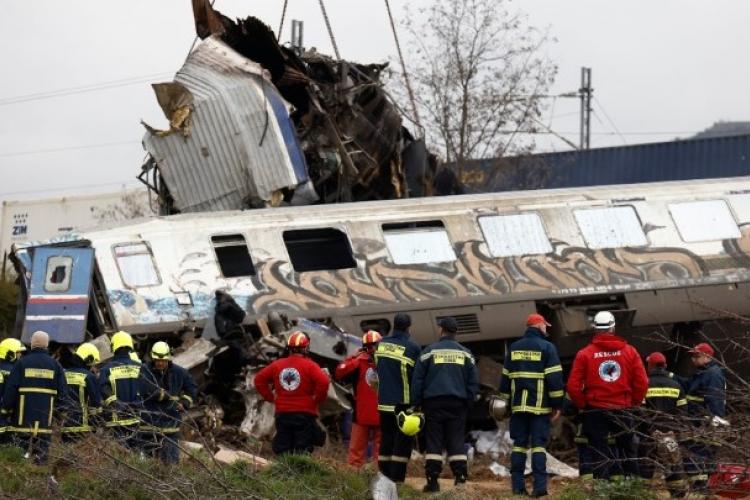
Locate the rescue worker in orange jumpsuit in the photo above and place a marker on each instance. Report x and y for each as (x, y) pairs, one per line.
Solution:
(359, 370)
(296, 385)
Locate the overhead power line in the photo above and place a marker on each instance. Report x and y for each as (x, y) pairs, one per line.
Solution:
(70, 188)
(67, 148)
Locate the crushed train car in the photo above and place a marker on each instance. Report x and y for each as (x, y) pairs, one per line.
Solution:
(254, 124)
(666, 254)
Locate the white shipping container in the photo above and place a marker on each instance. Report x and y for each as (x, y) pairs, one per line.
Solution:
(35, 220)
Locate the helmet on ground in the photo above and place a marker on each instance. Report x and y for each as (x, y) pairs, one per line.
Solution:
(121, 339)
(498, 408)
(371, 337)
(410, 423)
(604, 320)
(298, 339)
(9, 349)
(134, 357)
(88, 353)
(161, 350)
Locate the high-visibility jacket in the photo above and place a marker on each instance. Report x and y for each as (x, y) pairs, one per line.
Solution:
(445, 369)
(360, 371)
(120, 390)
(295, 384)
(34, 388)
(706, 392)
(532, 375)
(664, 399)
(607, 374)
(84, 399)
(162, 392)
(395, 359)
(5, 368)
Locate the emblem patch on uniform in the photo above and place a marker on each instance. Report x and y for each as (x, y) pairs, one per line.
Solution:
(609, 370)
(289, 379)
(371, 377)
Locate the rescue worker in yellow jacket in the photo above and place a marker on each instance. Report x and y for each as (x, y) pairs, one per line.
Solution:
(34, 389)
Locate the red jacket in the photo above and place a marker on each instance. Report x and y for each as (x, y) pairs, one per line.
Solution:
(295, 384)
(359, 369)
(607, 373)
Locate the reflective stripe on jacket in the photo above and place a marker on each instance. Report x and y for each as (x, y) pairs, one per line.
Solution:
(84, 399)
(162, 391)
(706, 392)
(445, 368)
(532, 375)
(120, 391)
(395, 359)
(33, 389)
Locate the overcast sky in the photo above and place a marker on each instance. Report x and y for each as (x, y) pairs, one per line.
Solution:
(661, 69)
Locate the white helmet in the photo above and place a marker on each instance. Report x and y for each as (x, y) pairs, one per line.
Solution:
(604, 320)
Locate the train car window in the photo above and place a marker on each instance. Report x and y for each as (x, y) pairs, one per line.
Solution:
(323, 249)
(709, 220)
(423, 242)
(136, 265)
(233, 255)
(521, 234)
(57, 277)
(611, 227)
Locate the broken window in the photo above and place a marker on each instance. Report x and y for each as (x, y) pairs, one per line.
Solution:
(322, 249)
(380, 325)
(708, 220)
(423, 242)
(611, 227)
(233, 255)
(521, 234)
(57, 277)
(136, 265)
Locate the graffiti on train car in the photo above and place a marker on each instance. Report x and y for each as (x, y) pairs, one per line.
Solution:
(569, 270)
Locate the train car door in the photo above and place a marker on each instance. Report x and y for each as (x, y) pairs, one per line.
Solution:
(58, 295)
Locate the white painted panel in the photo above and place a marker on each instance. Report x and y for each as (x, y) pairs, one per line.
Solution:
(521, 234)
(740, 204)
(708, 220)
(136, 265)
(611, 227)
(419, 246)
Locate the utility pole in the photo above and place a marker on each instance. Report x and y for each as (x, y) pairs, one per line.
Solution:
(585, 94)
(297, 32)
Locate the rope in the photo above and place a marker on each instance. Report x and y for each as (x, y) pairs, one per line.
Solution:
(403, 69)
(281, 24)
(330, 31)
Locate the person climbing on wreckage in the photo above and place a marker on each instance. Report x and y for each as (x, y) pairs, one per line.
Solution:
(296, 385)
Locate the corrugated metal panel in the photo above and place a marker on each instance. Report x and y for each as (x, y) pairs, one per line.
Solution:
(676, 160)
(242, 144)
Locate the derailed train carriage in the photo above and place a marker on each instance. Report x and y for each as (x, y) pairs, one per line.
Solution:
(664, 256)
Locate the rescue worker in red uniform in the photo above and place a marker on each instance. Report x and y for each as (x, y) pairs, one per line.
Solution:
(359, 370)
(296, 385)
(607, 381)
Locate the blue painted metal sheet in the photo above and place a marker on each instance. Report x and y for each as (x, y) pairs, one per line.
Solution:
(58, 298)
(665, 161)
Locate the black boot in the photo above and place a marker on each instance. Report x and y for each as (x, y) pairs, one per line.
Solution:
(432, 486)
(460, 479)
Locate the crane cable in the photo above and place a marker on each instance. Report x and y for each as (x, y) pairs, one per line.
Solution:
(281, 24)
(403, 70)
(330, 31)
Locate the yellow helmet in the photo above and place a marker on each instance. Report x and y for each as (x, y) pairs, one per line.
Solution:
(410, 423)
(9, 349)
(121, 339)
(134, 357)
(161, 350)
(88, 353)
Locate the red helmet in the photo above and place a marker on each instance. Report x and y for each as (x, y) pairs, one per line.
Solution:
(371, 337)
(730, 481)
(298, 339)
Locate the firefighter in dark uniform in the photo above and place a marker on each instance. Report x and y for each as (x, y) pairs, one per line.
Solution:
(585, 470)
(533, 384)
(10, 352)
(395, 359)
(168, 391)
(444, 384)
(120, 391)
(84, 399)
(34, 389)
(664, 402)
(706, 407)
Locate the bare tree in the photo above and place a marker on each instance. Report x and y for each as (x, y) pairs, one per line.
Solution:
(131, 205)
(479, 73)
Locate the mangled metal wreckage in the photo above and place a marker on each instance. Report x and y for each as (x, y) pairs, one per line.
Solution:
(255, 124)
